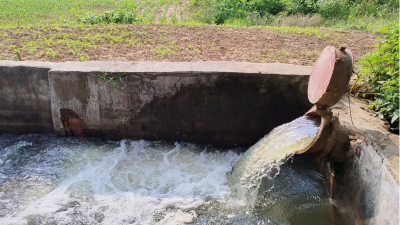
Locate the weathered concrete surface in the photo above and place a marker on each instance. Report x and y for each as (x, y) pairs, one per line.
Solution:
(368, 193)
(25, 98)
(226, 104)
(366, 187)
(222, 103)
(363, 120)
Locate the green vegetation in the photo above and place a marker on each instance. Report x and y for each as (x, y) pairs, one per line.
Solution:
(15, 13)
(368, 15)
(81, 29)
(381, 69)
(44, 12)
(109, 17)
(166, 50)
(112, 78)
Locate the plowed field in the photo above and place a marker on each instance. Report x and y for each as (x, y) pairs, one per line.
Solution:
(179, 43)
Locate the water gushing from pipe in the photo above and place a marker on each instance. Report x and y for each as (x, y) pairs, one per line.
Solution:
(263, 160)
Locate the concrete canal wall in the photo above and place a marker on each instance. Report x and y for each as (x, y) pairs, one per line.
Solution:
(365, 187)
(226, 104)
(222, 103)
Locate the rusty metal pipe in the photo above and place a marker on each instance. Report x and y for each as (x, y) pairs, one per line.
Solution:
(328, 82)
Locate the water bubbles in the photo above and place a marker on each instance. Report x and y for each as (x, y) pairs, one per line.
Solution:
(128, 182)
(48, 180)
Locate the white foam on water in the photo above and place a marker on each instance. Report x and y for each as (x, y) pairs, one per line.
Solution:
(47, 180)
(131, 182)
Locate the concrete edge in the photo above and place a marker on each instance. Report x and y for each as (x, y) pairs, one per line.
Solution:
(38, 64)
(386, 149)
(168, 67)
(366, 129)
(382, 143)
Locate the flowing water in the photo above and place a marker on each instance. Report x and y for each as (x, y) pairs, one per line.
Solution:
(48, 180)
(264, 159)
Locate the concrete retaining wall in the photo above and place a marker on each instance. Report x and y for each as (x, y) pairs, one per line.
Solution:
(366, 185)
(222, 103)
(368, 191)
(25, 98)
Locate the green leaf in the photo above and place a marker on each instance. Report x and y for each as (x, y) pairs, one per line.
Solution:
(396, 115)
(394, 118)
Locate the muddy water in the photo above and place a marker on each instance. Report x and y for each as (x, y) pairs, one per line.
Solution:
(48, 180)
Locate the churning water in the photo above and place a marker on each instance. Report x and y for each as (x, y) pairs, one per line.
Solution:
(48, 180)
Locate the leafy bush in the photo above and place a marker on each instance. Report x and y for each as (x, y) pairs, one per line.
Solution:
(334, 9)
(265, 7)
(381, 70)
(203, 11)
(367, 15)
(110, 17)
(302, 6)
(230, 9)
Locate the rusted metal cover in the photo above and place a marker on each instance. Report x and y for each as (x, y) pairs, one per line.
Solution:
(77, 126)
(329, 81)
(330, 76)
(73, 126)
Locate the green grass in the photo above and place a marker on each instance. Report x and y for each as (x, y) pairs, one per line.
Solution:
(15, 13)
(112, 78)
(43, 12)
(157, 7)
(370, 16)
(174, 16)
(163, 19)
(166, 50)
(147, 6)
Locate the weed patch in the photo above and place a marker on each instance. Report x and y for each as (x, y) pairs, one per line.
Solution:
(112, 78)
(110, 17)
(15, 13)
(369, 15)
(166, 50)
(300, 30)
(380, 68)
(151, 42)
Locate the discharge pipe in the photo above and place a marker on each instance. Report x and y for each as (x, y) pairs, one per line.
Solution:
(329, 81)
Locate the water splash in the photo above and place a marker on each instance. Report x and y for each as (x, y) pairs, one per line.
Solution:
(64, 181)
(48, 180)
(264, 159)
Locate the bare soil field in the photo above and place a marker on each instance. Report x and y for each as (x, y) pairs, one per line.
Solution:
(177, 43)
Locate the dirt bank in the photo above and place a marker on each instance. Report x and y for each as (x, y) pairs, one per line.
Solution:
(176, 43)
